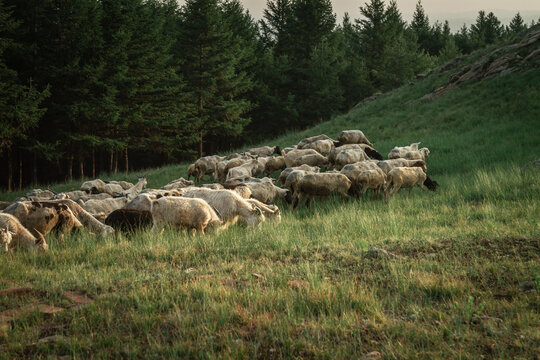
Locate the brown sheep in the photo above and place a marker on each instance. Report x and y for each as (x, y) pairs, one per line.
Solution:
(322, 184)
(21, 237)
(353, 137)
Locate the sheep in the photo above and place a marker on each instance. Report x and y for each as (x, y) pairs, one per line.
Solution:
(230, 205)
(260, 166)
(21, 237)
(387, 165)
(195, 214)
(322, 184)
(270, 211)
(133, 191)
(177, 184)
(105, 207)
(244, 191)
(6, 236)
(399, 152)
(311, 160)
(192, 171)
(142, 202)
(274, 164)
(237, 180)
(129, 220)
(354, 172)
(243, 170)
(291, 156)
(4, 204)
(288, 149)
(404, 177)
(113, 189)
(86, 219)
(124, 184)
(283, 175)
(267, 192)
(293, 178)
(72, 195)
(350, 156)
(85, 198)
(332, 155)
(372, 179)
(37, 219)
(353, 137)
(421, 154)
(265, 151)
(206, 166)
(224, 166)
(312, 139)
(321, 146)
(93, 186)
(41, 194)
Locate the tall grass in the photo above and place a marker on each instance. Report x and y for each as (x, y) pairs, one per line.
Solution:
(308, 287)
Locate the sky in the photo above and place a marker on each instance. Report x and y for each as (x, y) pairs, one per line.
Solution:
(457, 12)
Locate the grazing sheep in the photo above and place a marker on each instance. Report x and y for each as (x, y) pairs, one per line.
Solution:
(124, 184)
(41, 194)
(321, 146)
(270, 211)
(37, 219)
(133, 191)
(113, 189)
(129, 220)
(293, 178)
(310, 160)
(350, 156)
(212, 186)
(206, 166)
(322, 184)
(291, 156)
(387, 165)
(237, 181)
(404, 177)
(285, 173)
(243, 191)
(93, 186)
(353, 137)
(21, 237)
(230, 205)
(177, 184)
(274, 164)
(4, 204)
(192, 171)
(421, 154)
(265, 151)
(72, 195)
(372, 179)
(224, 166)
(86, 219)
(85, 198)
(105, 207)
(312, 139)
(142, 202)
(260, 166)
(6, 236)
(400, 151)
(188, 213)
(288, 149)
(354, 172)
(243, 170)
(267, 192)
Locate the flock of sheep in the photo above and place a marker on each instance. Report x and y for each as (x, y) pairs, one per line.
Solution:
(238, 195)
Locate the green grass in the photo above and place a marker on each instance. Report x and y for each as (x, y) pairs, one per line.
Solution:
(317, 294)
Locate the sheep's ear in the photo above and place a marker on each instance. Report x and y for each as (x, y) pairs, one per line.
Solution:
(258, 210)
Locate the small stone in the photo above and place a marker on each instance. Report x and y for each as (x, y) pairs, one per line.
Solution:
(50, 339)
(190, 270)
(527, 285)
(258, 276)
(78, 297)
(380, 253)
(374, 355)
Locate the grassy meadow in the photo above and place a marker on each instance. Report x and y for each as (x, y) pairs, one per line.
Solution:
(464, 283)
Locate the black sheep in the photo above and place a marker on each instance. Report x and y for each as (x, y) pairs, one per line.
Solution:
(129, 220)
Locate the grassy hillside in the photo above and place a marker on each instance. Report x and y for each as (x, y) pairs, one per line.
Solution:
(308, 287)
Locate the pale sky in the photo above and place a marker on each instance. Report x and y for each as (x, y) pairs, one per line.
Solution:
(456, 12)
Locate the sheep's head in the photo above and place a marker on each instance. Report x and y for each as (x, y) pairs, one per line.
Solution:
(41, 243)
(425, 152)
(414, 146)
(277, 150)
(6, 237)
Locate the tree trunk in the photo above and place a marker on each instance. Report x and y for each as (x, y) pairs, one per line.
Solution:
(116, 163)
(10, 169)
(127, 161)
(20, 171)
(93, 163)
(81, 167)
(200, 144)
(70, 167)
(35, 169)
(111, 159)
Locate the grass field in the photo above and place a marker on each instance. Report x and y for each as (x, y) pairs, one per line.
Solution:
(464, 283)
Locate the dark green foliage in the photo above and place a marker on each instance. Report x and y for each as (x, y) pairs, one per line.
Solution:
(517, 25)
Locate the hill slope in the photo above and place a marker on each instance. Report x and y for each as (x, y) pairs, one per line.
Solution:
(464, 285)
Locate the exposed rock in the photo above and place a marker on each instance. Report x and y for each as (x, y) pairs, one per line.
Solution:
(380, 253)
(527, 285)
(499, 62)
(374, 355)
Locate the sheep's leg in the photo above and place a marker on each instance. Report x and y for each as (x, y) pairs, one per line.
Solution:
(309, 200)
(298, 198)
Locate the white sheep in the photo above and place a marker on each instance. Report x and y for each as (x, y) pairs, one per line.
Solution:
(21, 237)
(400, 151)
(6, 236)
(285, 173)
(310, 160)
(267, 192)
(353, 137)
(188, 213)
(322, 184)
(230, 205)
(312, 139)
(404, 177)
(292, 155)
(321, 146)
(349, 156)
(387, 165)
(265, 151)
(105, 206)
(421, 154)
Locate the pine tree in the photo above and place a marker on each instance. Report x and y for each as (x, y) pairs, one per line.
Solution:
(275, 23)
(420, 26)
(517, 25)
(211, 71)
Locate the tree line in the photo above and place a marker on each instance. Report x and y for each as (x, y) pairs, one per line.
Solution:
(88, 86)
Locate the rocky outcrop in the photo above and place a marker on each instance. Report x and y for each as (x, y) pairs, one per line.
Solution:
(502, 61)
